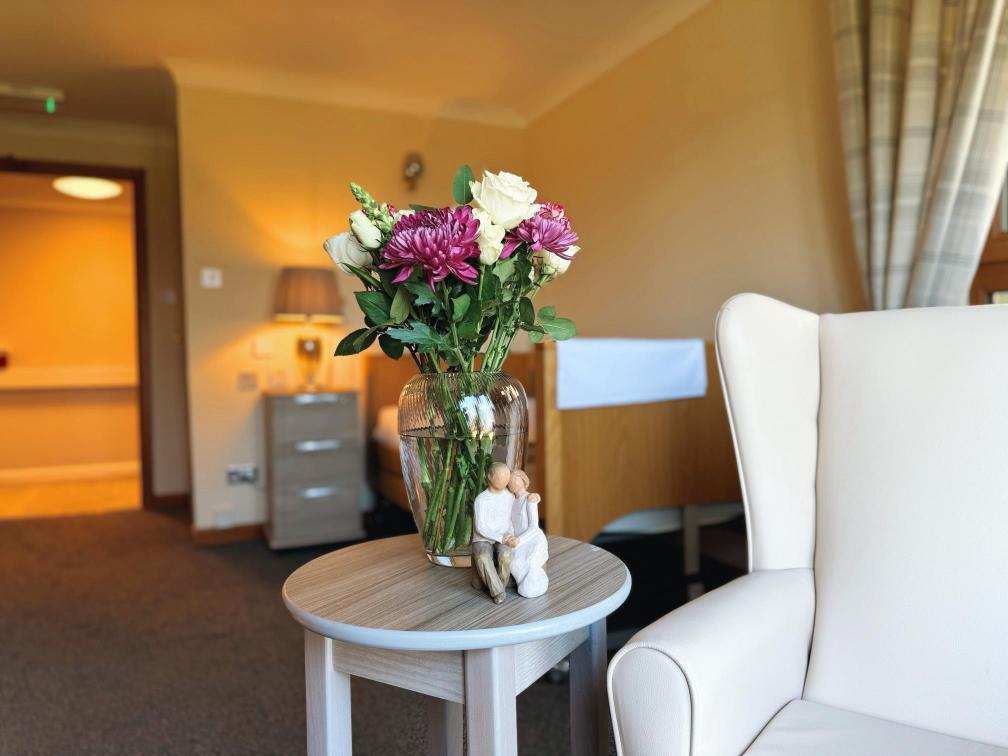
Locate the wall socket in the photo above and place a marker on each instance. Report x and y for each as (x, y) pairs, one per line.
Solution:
(243, 473)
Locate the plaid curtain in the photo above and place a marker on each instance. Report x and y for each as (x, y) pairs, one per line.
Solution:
(923, 88)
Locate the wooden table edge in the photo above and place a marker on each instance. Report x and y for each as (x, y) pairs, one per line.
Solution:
(460, 640)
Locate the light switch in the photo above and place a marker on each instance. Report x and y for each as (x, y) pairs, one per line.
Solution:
(262, 347)
(248, 382)
(211, 278)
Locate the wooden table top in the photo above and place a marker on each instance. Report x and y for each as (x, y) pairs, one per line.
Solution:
(385, 593)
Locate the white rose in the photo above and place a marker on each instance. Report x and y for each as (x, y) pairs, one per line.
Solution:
(507, 198)
(554, 265)
(367, 233)
(344, 249)
(491, 238)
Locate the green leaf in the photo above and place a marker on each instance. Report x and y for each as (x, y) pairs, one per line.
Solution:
(522, 269)
(356, 341)
(348, 344)
(469, 328)
(363, 342)
(460, 185)
(536, 336)
(489, 291)
(422, 207)
(503, 269)
(547, 313)
(366, 278)
(386, 277)
(423, 293)
(460, 306)
(420, 334)
(400, 306)
(374, 304)
(526, 312)
(558, 329)
(390, 346)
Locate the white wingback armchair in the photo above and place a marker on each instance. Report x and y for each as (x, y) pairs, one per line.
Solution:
(873, 453)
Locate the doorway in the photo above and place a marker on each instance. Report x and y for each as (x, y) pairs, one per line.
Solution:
(72, 398)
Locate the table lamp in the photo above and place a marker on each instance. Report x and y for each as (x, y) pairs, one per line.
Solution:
(311, 296)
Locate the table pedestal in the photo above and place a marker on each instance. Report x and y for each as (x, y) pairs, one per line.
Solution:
(486, 681)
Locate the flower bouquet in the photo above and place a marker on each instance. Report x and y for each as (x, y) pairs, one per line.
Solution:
(452, 286)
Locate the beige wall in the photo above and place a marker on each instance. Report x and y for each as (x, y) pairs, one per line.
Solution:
(264, 181)
(706, 164)
(67, 140)
(67, 301)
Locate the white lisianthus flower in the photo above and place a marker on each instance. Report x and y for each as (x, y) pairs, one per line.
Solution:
(507, 198)
(344, 249)
(553, 265)
(367, 233)
(491, 238)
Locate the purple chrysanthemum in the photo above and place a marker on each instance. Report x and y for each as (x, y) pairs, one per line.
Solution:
(437, 241)
(548, 230)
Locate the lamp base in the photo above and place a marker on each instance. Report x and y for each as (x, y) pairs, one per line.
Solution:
(309, 352)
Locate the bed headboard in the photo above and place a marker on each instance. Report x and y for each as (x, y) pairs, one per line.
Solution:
(601, 463)
(384, 379)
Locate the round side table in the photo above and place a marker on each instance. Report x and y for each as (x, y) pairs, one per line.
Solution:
(380, 610)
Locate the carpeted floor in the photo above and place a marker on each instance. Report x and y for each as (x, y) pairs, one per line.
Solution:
(117, 636)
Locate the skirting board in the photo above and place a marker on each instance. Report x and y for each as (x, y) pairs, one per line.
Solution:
(55, 473)
(215, 536)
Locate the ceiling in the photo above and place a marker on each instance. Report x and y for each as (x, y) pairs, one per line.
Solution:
(490, 60)
(35, 191)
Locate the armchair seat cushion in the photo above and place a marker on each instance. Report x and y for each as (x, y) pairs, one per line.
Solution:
(805, 728)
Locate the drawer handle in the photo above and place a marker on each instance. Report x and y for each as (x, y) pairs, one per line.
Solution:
(318, 398)
(319, 492)
(326, 444)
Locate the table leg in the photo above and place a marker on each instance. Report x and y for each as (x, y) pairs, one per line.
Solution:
(691, 551)
(589, 705)
(491, 722)
(444, 727)
(327, 700)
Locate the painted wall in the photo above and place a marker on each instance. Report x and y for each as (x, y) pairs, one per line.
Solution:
(264, 181)
(67, 302)
(68, 140)
(706, 164)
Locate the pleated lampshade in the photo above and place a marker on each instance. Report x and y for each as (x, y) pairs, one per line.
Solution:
(307, 294)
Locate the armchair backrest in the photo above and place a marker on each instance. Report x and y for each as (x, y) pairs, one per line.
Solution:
(874, 447)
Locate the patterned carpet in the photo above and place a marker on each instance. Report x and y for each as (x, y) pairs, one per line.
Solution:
(117, 636)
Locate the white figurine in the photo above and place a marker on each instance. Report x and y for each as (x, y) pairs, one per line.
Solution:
(528, 543)
(492, 512)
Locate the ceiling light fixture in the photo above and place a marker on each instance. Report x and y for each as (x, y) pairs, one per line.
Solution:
(87, 187)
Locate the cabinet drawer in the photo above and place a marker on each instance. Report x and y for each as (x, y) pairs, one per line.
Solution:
(316, 515)
(294, 468)
(312, 416)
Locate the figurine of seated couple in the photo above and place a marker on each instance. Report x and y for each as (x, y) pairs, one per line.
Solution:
(506, 526)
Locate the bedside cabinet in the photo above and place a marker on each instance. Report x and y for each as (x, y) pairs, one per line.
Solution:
(314, 468)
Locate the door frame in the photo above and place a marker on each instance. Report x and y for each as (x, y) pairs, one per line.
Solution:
(137, 176)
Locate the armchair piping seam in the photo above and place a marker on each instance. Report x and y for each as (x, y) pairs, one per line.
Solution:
(612, 700)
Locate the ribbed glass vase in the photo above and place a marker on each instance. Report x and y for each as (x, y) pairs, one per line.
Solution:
(452, 426)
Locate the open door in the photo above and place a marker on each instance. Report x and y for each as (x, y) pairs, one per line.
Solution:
(73, 401)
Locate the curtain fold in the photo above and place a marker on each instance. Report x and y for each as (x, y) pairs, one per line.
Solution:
(923, 94)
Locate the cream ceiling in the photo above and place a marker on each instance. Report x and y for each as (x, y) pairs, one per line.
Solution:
(501, 61)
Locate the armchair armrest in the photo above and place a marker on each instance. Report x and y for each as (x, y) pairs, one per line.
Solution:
(705, 679)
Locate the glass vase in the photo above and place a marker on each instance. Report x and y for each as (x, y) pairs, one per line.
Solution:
(452, 426)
